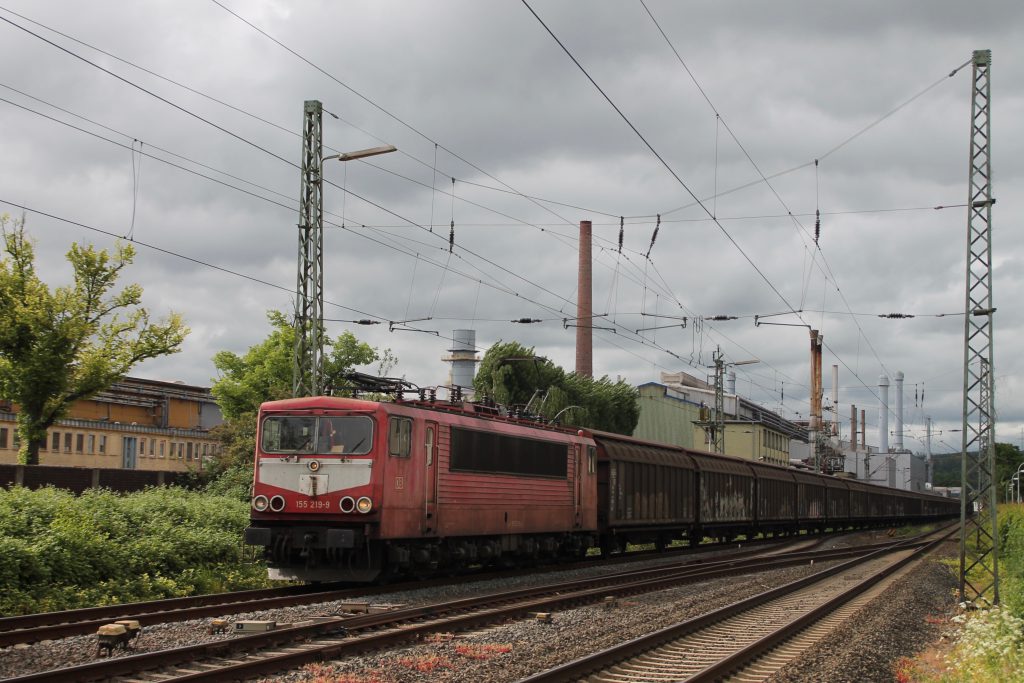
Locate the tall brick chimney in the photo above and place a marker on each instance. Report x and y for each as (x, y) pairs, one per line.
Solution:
(584, 306)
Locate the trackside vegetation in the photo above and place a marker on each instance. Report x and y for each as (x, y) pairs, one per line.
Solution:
(61, 551)
(990, 643)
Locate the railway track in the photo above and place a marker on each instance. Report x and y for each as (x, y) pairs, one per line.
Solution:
(285, 648)
(751, 639)
(52, 625)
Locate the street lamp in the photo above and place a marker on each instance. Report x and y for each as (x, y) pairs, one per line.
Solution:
(360, 154)
(1016, 478)
(307, 363)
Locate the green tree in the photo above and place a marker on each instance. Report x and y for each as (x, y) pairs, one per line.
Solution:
(264, 373)
(61, 346)
(514, 375)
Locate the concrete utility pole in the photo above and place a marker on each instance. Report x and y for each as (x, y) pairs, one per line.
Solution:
(979, 545)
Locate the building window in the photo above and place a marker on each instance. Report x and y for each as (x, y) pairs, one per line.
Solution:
(56, 442)
(79, 443)
(188, 456)
(152, 447)
(142, 447)
(16, 439)
(103, 443)
(67, 442)
(3, 437)
(92, 444)
(162, 448)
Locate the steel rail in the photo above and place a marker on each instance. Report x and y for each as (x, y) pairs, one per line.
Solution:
(406, 623)
(585, 666)
(52, 625)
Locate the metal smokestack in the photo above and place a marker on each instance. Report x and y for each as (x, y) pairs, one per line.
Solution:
(584, 306)
(928, 447)
(863, 430)
(462, 357)
(899, 411)
(730, 383)
(853, 428)
(835, 400)
(883, 414)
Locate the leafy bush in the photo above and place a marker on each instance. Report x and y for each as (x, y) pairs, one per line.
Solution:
(59, 551)
(990, 645)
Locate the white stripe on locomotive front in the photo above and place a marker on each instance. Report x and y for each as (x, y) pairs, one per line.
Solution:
(331, 477)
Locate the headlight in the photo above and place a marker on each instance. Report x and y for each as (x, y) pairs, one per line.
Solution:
(260, 503)
(347, 504)
(364, 505)
(313, 465)
(277, 503)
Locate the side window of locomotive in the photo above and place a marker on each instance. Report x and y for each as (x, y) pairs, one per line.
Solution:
(289, 434)
(591, 459)
(351, 435)
(399, 436)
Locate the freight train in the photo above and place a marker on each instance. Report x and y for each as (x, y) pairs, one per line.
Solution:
(360, 490)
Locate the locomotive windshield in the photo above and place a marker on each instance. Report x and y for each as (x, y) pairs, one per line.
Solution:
(350, 435)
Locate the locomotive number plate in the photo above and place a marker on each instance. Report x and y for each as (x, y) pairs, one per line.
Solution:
(317, 504)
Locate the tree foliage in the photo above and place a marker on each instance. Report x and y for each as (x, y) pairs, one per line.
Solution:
(264, 373)
(947, 468)
(64, 345)
(514, 375)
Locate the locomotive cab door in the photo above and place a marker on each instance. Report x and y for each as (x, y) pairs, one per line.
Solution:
(430, 478)
(577, 489)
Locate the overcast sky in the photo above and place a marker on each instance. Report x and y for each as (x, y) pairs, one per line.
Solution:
(482, 93)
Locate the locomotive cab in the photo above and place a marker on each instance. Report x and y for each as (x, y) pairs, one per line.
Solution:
(315, 464)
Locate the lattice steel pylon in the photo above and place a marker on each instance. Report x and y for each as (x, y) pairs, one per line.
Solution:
(979, 531)
(718, 419)
(309, 287)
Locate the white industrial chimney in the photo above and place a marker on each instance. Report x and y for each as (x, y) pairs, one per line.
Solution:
(883, 414)
(899, 411)
(730, 383)
(463, 359)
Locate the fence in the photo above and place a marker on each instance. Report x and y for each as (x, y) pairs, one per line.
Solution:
(78, 479)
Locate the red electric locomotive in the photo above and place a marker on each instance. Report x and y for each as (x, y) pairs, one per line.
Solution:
(348, 489)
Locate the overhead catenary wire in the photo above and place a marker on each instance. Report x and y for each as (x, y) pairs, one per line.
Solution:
(829, 275)
(286, 206)
(450, 240)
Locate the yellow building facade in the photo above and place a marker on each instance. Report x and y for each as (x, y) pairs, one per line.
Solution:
(136, 424)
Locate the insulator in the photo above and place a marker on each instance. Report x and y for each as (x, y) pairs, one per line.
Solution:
(526, 321)
(423, 394)
(817, 225)
(367, 321)
(654, 236)
(896, 316)
(433, 394)
(622, 228)
(721, 317)
(451, 238)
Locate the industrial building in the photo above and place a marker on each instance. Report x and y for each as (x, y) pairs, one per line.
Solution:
(675, 411)
(136, 424)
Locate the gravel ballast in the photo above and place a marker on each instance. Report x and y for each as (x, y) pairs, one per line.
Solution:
(513, 650)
